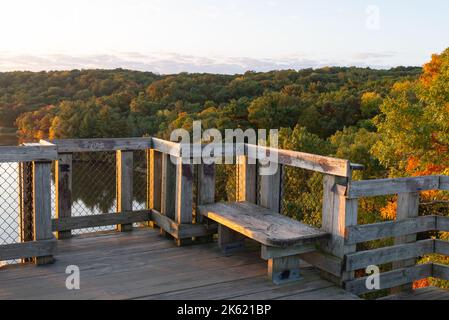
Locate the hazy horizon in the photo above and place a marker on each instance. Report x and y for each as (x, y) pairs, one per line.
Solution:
(210, 36)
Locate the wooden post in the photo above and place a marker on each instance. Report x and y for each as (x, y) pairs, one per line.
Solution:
(283, 269)
(42, 206)
(184, 197)
(154, 181)
(124, 185)
(206, 186)
(184, 192)
(168, 194)
(338, 213)
(407, 207)
(63, 188)
(247, 180)
(26, 201)
(270, 190)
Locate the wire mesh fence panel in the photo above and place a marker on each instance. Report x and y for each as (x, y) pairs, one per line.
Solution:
(225, 182)
(9, 205)
(302, 195)
(94, 186)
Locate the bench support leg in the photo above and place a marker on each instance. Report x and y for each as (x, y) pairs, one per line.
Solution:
(230, 241)
(285, 269)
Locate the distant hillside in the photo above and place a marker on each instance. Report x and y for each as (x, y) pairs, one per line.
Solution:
(101, 103)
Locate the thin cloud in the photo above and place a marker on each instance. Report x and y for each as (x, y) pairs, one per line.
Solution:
(169, 63)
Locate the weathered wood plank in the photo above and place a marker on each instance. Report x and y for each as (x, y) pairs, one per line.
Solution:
(284, 270)
(39, 248)
(247, 180)
(184, 192)
(378, 187)
(168, 187)
(42, 205)
(102, 144)
(63, 189)
(270, 189)
(325, 262)
(362, 259)
(261, 224)
(167, 147)
(180, 231)
(368, 232)
(124, 185)
(230, 241)
(442, 247)
(440, 271)
(328, 165)
(106, 219)
(267, 252)
(392, 278)
(407, 207)
(338, 214)
(205, 187)
(442, 224)
(444, 182)
(154, 176)
(35, 152)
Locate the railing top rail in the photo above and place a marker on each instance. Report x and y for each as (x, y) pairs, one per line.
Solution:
(380, 187)
(308, 161)
(102, 144)
(28, 152)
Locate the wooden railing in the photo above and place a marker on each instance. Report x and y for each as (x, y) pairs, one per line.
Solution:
(406, 248)
(35, 162)
(170, 189)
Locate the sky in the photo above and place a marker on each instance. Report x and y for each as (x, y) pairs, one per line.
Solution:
(226, 36)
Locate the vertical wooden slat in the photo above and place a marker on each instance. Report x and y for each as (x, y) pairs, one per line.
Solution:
(42, 205)
(206, 186)
(124, 185)
(338, 213)
(407, 207)
(154, 176)
(270, 190)
(184, 192)
(64, 190)
(154, 181)
(247, 180)
(168, 187)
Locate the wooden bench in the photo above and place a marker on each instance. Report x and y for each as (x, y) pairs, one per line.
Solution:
(282, 239)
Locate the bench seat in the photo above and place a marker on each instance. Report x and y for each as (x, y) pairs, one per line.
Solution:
(261, 224)
(282, 238)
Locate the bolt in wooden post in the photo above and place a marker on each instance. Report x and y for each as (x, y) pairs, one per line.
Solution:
(42, 205)
(64, 191)
(124, 185)
(154, 181)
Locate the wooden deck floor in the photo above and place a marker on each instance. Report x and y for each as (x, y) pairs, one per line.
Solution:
(144, 265)
(429, 293)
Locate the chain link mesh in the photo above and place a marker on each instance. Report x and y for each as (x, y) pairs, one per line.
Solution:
(302, 195)
(9, 206)
(93, 186)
